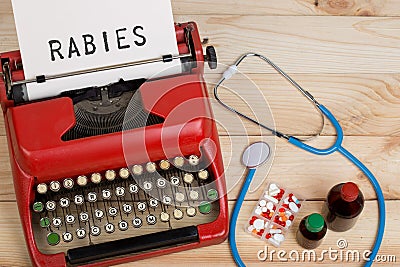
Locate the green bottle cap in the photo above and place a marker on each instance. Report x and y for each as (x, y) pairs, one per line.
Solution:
(53, 239)
(205, 207)
(212, 194)
(315, 222)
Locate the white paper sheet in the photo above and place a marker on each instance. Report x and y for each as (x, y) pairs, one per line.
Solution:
(57, 37)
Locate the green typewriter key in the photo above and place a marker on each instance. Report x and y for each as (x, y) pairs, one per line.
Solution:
(38, 207)
(44, 222)
(53, 239)
(212, 194)
(205, 207)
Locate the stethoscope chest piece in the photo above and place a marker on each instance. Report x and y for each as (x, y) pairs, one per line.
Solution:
(256, 154)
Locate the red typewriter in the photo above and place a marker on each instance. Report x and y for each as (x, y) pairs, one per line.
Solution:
(112, 174)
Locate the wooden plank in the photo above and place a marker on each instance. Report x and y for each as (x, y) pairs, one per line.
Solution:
(364, 104)
(13, 251)
(289, 7)
(292, 167)
(284, 7)
(297, 44)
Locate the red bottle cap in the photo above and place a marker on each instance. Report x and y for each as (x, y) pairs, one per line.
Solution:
(349, 192)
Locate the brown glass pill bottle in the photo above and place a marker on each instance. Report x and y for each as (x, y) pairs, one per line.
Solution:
(312, 230)
(343, 206)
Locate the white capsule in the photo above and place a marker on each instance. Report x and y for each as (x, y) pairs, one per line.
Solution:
(137, 169)
(124, 173)
(110, 175)
(271, 199)
(293, 207)
(55, 186)
(263, 203)
(274, 242)
(82, 180)
(41, 188)
(279, 237)
(275, 231)
(96, 178)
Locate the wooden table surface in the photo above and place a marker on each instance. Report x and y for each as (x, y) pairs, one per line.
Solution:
(347, 53)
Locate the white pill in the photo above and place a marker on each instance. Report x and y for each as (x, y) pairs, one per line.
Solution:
(258, 211)
(250, 228)
(293, 207)
(274, 242)
(288, 223)
(271, 199)
(286, 200)
(274, 192)
(275, 231)
(263, 203)
(279, 237)
(258, 224)
(264, 209)
(270, 205)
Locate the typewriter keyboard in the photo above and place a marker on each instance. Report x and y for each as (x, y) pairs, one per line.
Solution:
(116, 204)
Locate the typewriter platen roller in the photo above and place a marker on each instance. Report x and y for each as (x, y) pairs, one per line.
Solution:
(126, 171)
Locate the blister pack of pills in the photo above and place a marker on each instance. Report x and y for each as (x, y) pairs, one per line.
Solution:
(274, 213)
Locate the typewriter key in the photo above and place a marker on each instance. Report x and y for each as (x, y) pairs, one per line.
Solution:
(64, 202)
(137, 169)
(123, 225)
(120, 191)
(110, 175)
(55, 186)
(188, 178)
(151, 219)
(67, 237)
(203, 174)
(164, 217)
(81, 233)
(82, 180)
(133, 188)
(113, 211)
(70, 219)
(147, 185)
(194, 160)
(127, 208)
(109, 227)
(95, 230)
(51, 205)
(167, 200)
(194, 195)
(92, 197)
(191, 211)
(212, 194)
(106, 193)
(41, 188)
(151, 167)
(178, 214)
(96, 178)
(175, 180)
(153, 203)
(78, 200)
(99, 214)
(124, 173)
(38, 207)
(137, 222)
(53, 239)
(179, 162)
(179, 197)
(68, 183)
(44, 222)
(57, 222)
(83, 216)
(164, 164)
(141, 206)
(205, 207)
(161, 183)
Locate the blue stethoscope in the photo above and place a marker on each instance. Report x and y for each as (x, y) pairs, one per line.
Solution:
(256, 153)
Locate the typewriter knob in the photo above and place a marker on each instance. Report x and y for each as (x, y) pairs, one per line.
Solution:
(211, 57)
